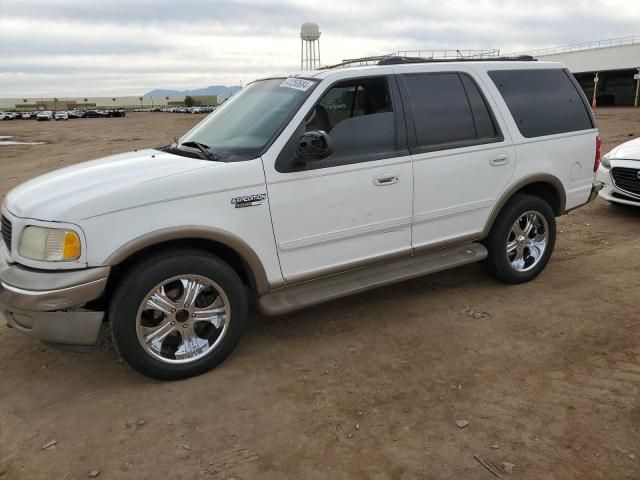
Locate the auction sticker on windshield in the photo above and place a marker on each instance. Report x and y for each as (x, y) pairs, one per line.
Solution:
(297, 83)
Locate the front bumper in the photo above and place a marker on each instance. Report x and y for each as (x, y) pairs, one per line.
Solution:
(48, 304)
(611, 193)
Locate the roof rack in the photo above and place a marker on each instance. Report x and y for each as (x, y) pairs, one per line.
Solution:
(362, 61)
(394, 59)
(402, 60)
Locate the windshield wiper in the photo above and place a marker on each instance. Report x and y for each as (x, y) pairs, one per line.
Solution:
(203, 148)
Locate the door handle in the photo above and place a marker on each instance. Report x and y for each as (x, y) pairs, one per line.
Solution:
(501, 159)
(386, 178)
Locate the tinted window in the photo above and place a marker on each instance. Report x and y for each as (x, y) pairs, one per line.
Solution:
(448, 108)
(357, 115)
(542, 102)
(440, 108)
(485, 127)
(350, 99)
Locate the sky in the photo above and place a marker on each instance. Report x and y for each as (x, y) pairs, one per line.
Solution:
(126, 47)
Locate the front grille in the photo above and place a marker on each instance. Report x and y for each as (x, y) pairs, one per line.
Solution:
(626, 179)
(7, 230)
(625, 197)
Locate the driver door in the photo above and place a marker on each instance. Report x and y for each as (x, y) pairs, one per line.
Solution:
(354, 206)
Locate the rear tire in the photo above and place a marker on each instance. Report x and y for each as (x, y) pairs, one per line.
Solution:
(521, 240)
(178, 313)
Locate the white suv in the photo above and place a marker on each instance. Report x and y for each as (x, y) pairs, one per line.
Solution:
(297, 191)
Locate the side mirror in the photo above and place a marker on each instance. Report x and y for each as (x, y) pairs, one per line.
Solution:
(313, 146)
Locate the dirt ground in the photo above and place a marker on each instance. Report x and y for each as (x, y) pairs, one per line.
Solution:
(546, 374)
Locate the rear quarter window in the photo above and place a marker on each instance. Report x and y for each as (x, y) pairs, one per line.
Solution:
(543, 102)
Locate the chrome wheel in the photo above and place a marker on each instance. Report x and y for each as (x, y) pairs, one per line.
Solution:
(527, 241)
(183, 319)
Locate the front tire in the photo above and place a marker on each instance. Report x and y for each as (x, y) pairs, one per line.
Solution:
(178, 314)
(521, 240)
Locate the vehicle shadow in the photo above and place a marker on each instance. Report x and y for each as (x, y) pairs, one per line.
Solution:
(372, 309)
(363, 310)
(623, 211)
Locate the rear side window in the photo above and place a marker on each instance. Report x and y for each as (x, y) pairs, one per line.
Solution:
(485, 127)
(542, 102)
(448, 111)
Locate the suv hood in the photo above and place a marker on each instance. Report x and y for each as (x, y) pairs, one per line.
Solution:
(92, 188)
(627, 151)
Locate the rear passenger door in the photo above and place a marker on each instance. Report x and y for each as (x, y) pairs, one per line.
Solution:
(461, 154)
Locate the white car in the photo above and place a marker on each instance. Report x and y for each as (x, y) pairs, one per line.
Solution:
(620, 173)
(44, 116)
(278, 201)
(61, 116)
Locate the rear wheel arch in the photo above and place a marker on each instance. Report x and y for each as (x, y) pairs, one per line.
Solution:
(547, 187)
(522, 239)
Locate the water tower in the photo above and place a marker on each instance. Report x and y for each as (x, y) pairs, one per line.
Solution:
(310, 47)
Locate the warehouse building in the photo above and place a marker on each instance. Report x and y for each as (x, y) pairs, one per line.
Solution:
(606, 68)
(89, 103)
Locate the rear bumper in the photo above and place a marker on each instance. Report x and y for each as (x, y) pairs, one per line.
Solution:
(48, 304)
(595, 188)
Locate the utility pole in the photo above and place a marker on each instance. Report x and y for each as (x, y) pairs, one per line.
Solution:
(595, 91)
(637, 78)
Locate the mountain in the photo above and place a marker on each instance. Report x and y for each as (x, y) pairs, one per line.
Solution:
(221, 90)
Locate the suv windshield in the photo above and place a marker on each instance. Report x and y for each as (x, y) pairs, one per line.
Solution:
(246, 124)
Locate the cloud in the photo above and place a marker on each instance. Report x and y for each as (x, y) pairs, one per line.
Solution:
(121, 47)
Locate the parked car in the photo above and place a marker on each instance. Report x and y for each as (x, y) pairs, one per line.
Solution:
(8, 115)
(61, 116)
(619, 172)
(75, 114)
(92, 114)
(26, 115)
(277, 200)
(44, 116)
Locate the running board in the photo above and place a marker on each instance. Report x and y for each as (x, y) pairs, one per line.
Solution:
(309, 293)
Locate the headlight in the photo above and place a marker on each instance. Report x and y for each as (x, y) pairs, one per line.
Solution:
(49, 244)
(605, 161)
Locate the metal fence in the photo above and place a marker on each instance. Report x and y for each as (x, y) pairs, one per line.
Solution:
(576, 47)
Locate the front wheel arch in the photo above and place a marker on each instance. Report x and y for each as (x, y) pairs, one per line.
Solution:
(231, 248)
(166, 266)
